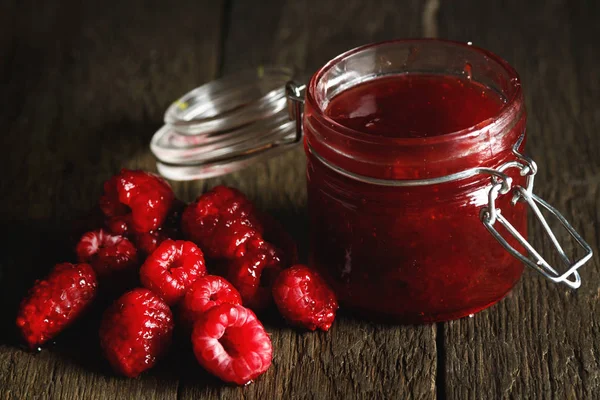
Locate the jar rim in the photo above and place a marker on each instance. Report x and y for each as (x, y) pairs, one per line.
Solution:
(474, 130)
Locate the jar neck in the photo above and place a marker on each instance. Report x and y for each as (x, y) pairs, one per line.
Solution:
(424, 158)
(488, 144)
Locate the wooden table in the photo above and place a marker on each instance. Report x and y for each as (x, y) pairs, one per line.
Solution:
(83, 88)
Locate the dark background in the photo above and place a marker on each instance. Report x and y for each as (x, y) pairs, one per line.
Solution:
(83, 86)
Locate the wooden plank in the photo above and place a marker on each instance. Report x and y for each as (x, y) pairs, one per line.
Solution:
(83, 89)
(91, 83)
(356, 359)
(542, 341)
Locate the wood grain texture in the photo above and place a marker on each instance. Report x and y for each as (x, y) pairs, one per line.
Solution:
(543, 341)
(83, 87)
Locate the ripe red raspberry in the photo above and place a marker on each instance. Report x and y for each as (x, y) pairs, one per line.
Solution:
(55, 302)
(172, 268)
(136, 331)
(119, 225)
(304, 298)
(106, 253)
(231, 343)
(219, 221)
(147, 242)
(207, 292)
(136, 201)
(253, 275)
(233, 238)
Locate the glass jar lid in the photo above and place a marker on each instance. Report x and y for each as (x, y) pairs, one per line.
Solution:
(226, 125)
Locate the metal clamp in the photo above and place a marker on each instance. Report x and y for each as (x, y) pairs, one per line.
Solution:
(295, 102)
(490, 215)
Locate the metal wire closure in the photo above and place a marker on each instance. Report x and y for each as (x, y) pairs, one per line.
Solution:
(490, 215)
(295, 97)
(501, 184)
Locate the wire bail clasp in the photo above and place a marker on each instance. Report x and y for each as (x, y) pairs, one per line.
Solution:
(501, 184)
(295, 102)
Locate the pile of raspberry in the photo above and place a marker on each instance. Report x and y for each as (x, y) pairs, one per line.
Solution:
(206, 267)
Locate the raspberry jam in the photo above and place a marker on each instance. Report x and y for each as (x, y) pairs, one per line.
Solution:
(414, 106)
(398, 112)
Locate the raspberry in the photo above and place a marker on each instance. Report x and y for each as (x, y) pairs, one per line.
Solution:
(204, 294)
(172, 268)
(119, 225)
(136, 201)
(232, 239)
(231, 343)
(254, 273)
(219, 221)
(136, 331)
(147, 242)
(106, 253)
(55, 302)
(226, 226)
(304, 298)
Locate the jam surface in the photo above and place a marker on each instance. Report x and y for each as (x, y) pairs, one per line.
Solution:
(414, 105)
(412, 254)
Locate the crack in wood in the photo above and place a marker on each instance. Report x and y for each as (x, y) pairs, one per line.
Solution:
(429, 18)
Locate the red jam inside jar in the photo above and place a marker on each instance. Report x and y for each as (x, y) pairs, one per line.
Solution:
(398, 112)
(414, 105)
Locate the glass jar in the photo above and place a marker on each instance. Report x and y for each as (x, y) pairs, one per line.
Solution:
(414, 253)
(412, 229)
